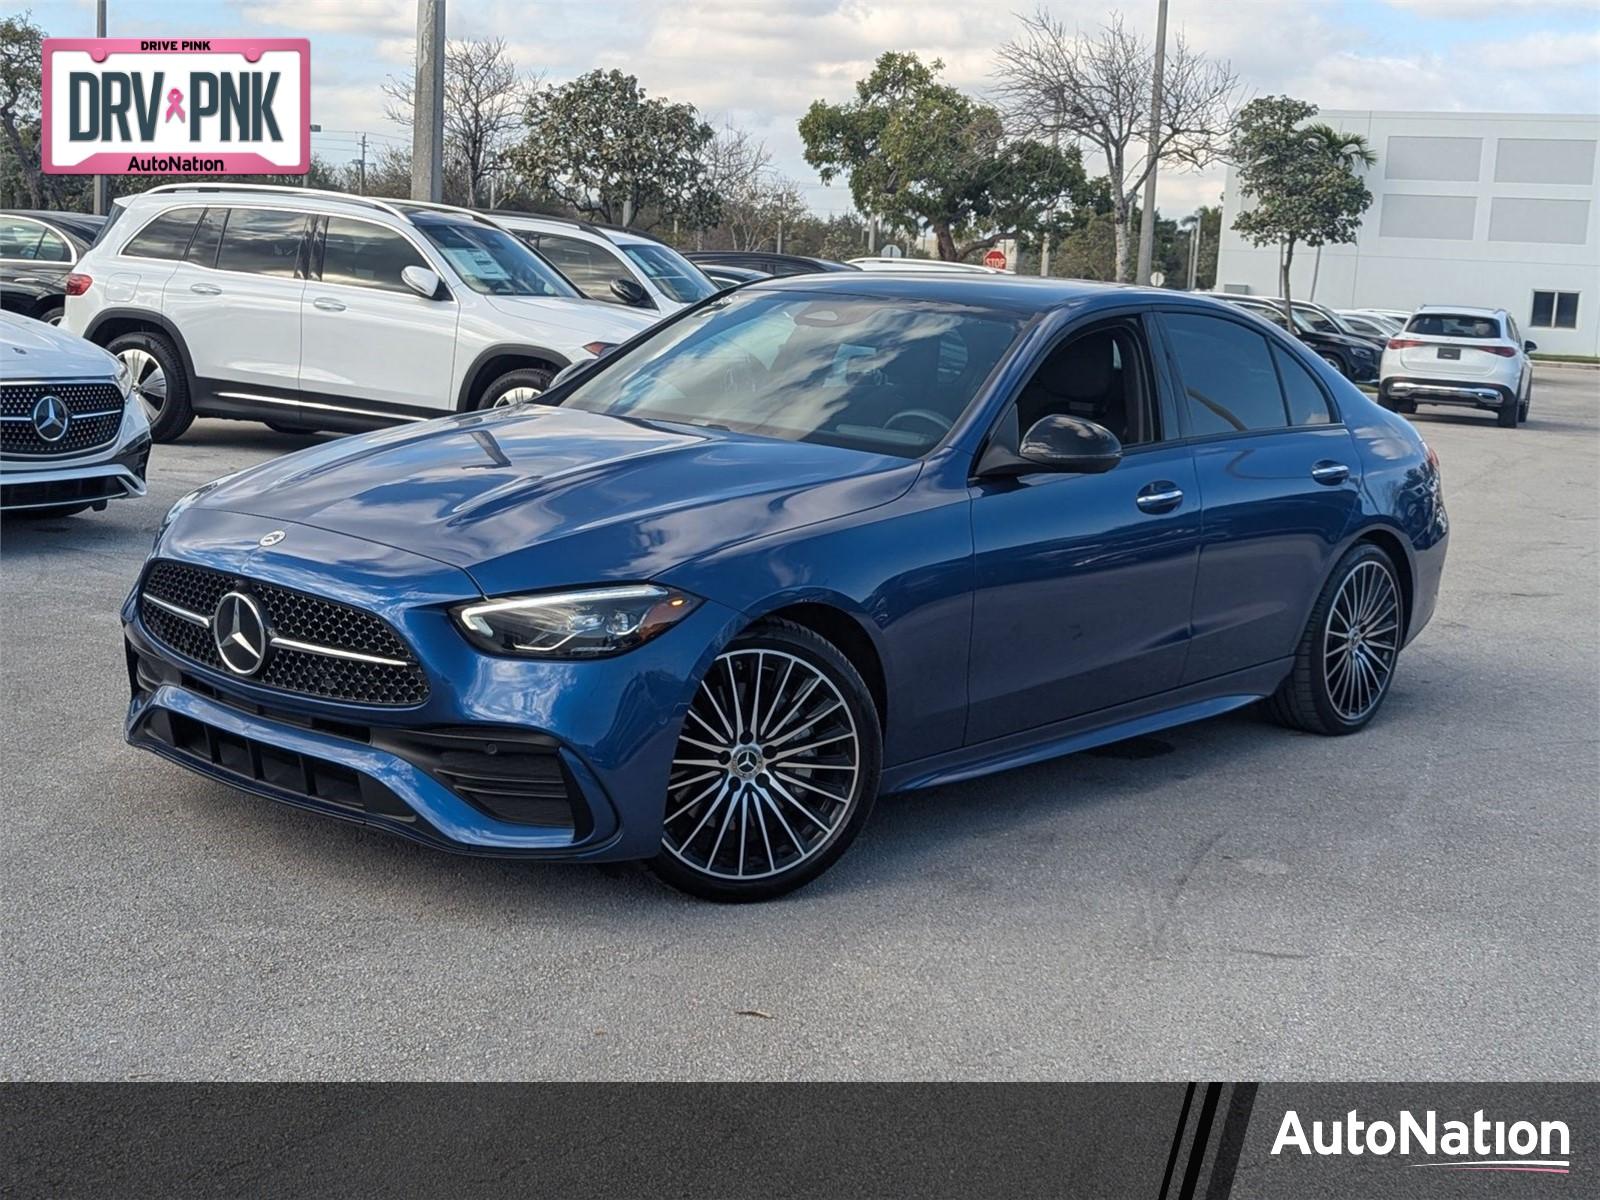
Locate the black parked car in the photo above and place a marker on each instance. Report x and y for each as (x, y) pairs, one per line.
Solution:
(726, 277)
(37, 252)
(766, 263)
(1355, 358)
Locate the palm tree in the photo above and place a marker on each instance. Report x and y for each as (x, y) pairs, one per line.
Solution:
(1344, 149)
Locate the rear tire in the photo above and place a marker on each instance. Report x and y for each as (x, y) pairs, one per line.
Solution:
(52, 315)
(1346, 658)
(1334, 361)
(515, 387)
(1527, 402)
(776, 769)
(159, 381)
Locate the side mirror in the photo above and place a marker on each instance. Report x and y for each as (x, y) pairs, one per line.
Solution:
(630, 292)
(1529, 347)
(1060, 443)
(422, 281)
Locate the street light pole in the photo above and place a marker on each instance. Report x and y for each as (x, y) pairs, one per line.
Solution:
(1147, 219)
(427, 126)
(102, 199)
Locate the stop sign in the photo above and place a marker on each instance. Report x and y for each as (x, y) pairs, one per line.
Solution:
(995, 259)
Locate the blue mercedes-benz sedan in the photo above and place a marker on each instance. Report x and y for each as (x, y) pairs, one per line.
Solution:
(816, 539)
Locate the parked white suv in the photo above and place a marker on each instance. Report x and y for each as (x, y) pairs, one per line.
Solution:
(319, 310)
(71, 434)
(619, 266)
(1466, 357)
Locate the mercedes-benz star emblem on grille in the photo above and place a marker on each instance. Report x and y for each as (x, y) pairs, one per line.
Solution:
(51, 418)
(240, 632)
(273, 538)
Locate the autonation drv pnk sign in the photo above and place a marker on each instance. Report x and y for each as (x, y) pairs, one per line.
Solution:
(126, 106)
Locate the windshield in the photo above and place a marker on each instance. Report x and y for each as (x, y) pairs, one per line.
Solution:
(886, 377)
(670, 271)
(491, 261)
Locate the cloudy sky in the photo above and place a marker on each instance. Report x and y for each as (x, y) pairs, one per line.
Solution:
(759, 63)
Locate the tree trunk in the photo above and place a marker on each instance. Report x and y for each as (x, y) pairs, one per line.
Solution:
(1283, 286)
(1121, 220)
(946, 242)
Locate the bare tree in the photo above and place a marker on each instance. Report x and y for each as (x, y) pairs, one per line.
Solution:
(1096, 89)
(484, 97)
(757, 204)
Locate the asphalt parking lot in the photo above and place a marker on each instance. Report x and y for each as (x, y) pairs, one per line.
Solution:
(1225, 900)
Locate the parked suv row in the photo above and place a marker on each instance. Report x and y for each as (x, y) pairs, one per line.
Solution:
(37, 252)
(316, 310)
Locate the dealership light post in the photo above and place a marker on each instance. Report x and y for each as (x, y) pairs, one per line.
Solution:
(427, 127)
(1147, 219)
(101, 200)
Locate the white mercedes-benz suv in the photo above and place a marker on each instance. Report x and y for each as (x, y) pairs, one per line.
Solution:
(1467, 357)
(71, 434)
(317, 310)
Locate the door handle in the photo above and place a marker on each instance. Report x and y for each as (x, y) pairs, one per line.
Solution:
(1160, 497)
(1329, 472)
(328, 304)
(205, 289)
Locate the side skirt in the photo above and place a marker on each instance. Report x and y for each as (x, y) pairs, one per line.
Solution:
(305, 410)
(1196, 702)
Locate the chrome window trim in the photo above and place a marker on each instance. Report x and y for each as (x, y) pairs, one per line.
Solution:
(49, 262)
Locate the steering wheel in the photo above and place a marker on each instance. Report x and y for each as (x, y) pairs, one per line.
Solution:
(939, 421)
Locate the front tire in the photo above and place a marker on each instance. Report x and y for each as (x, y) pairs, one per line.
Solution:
(1337, 363)
(159, 381)
(776, 769)
(515, 387)
(1346, 657)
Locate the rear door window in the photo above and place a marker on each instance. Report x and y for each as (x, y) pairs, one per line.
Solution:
(1304, 397)
(19, 238)
(1229, 384)
(207, 237)
(166, 237)
(262, 241)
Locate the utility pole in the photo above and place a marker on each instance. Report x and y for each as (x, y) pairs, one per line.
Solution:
(1194, 248)
(361, 166)
(1147, 219)
(101, 197)
(427, 127)
(1050, 212)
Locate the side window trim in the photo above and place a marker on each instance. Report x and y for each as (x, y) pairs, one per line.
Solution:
(308, 218)
(44, 230)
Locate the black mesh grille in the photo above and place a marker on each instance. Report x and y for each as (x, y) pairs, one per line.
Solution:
(84, 433)
(293, 615)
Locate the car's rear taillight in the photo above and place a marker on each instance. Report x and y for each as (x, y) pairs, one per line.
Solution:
(1502, 351)
(78, 284)
(1400, 343)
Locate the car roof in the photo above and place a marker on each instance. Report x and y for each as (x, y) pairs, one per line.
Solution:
(84, 225)
(1016, 293)
(731, 256)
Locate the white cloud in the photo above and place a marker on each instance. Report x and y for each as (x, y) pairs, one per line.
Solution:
(360, 17)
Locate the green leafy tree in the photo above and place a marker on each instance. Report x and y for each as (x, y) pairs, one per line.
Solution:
(923, 155)
(21, 61)
(1352, 150)
(1300, 191)
(604, 149)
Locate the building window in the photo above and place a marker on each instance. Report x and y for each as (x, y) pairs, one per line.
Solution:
(1554, 310)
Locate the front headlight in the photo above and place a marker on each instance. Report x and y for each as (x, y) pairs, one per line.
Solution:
(580, 624)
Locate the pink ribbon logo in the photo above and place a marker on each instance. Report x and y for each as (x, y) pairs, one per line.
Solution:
(175, 105)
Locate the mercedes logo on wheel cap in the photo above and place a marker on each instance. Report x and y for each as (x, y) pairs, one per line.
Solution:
(240, 632)
(50, 419)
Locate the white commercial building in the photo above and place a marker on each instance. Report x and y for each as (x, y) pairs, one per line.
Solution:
(1490, 209)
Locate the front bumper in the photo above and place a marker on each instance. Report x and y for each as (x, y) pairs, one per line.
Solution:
(581, 750)
(1489, 396)
(66, 484)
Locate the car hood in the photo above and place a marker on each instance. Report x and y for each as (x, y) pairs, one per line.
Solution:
(536, 496)
(581, 321)
(34, 350)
